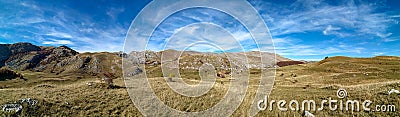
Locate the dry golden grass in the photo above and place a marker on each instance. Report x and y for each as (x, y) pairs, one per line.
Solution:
(69, 95)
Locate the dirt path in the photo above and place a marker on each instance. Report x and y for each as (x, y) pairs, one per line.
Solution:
(372, 84)
(11, 89)
(346, 86)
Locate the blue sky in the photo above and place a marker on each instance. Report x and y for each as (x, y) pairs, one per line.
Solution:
(301, 29)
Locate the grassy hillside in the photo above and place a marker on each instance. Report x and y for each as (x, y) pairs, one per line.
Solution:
(363, 78)
(70, 94)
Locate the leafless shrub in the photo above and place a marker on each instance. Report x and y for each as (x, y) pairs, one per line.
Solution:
(108, 78)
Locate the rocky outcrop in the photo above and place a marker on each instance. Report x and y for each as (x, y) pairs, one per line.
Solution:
(59, 60)
(193, 60)
(134, 72)
(24, 61)
(87, 63)
(22, 48)
(54, 57)
(25, 56)
(18, 56)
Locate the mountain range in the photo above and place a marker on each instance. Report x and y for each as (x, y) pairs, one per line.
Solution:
(63, 60)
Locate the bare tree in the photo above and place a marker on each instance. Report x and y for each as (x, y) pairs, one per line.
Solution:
(108, 78)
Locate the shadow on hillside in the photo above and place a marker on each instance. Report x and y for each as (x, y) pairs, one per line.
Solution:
(116, 87)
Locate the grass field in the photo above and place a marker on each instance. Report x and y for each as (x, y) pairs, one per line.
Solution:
(69, 94)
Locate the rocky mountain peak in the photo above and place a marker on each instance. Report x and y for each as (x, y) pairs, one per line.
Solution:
(62, 59)
(22, 48)
(23, 56)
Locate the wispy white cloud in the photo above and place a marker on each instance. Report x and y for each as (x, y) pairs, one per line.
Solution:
(346, 23)
(114, 12)
(5, 35)
(290, 24)
(291, 47)
(227, 21)
(30, 5)
(391, 39)
(387, 37)
(280, 40)
(378, 53)
(303, 50)
(329, 29)
(205, 33)
(395, 16)
(60, 35)
(51, 25)
(58, 42)
(313, 15)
